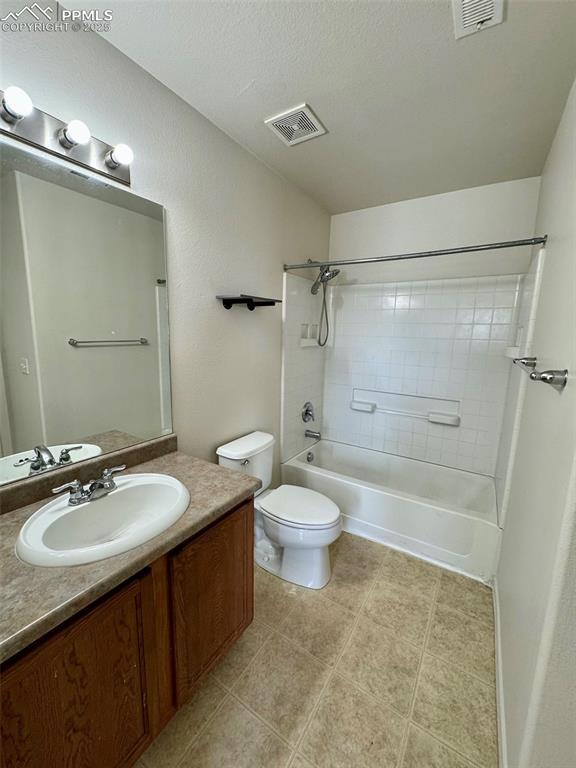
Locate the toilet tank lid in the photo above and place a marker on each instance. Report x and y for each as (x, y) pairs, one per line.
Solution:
(246, 446)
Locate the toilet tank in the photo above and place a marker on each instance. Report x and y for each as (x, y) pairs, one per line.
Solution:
(252, 455)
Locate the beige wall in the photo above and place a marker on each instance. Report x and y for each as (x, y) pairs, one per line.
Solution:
(231, 223)
(488, 214)
(535, 587)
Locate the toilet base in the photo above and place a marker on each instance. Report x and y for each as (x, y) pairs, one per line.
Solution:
(306, 567)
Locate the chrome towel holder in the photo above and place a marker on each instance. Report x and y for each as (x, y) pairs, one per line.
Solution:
(108, 342)
(556, 378)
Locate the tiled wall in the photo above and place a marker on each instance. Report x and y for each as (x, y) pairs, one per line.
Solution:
(303, 366)
(441, 338)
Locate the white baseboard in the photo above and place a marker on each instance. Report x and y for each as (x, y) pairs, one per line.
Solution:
(500, 711)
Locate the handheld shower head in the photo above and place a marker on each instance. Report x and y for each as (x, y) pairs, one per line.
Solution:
(324, 276)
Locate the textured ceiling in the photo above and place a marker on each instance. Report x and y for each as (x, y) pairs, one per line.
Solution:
(410, 110)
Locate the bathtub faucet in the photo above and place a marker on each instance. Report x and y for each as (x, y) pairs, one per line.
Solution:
(314, 435)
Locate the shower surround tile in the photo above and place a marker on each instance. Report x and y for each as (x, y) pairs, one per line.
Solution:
(442, 339)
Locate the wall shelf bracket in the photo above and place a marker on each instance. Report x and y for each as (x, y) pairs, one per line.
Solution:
(250, 301)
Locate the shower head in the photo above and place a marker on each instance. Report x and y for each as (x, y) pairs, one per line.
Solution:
(324, 276)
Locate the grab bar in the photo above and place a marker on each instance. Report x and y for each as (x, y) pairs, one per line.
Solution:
(107, 342)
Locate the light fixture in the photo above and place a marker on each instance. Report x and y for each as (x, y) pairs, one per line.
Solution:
(75, 133)
(72, 141)
(121, 155)
(16, 104)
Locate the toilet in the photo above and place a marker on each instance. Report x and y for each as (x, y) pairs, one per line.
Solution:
(293, 526)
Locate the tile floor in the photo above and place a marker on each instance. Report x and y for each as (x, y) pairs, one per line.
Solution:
(390, 666)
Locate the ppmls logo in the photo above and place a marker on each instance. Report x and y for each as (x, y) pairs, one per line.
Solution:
(35, 10)
(39, 18)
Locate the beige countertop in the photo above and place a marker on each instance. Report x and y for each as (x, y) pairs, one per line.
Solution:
(34, 600)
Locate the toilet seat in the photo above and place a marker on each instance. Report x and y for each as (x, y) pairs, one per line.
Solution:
(299, 507)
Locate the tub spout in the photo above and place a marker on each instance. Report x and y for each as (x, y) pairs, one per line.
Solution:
(314, 435)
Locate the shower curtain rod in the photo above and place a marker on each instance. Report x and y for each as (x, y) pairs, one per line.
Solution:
(420, 254)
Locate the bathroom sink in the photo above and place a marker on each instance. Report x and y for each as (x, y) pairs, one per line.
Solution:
(9, 473)
(141, 507)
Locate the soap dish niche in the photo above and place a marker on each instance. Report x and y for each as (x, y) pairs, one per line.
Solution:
(309, 334)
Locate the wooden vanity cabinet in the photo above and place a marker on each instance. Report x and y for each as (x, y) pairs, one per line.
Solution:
(79, 698)
(212, 596)
(96, 691)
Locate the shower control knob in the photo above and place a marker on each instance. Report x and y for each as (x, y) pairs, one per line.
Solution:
(307, 412)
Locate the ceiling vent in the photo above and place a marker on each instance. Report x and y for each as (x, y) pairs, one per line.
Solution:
(475, 15)
(296, 125)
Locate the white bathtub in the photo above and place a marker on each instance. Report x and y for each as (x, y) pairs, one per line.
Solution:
(444, 515)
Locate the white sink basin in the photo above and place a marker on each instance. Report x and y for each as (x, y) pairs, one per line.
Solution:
(9, 473)
(141, 507)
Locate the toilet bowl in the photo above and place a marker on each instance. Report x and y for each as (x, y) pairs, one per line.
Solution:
(300, 524)
(293, 526)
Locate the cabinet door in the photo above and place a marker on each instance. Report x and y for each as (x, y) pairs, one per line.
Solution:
(78, 700)
(212, 586)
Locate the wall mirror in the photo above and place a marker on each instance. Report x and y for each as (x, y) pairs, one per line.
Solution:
(84, 360)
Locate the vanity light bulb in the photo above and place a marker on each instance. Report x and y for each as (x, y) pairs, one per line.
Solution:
(121, 155)
(75, 134)
(16, 104)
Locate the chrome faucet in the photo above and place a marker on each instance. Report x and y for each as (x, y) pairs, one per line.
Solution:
(44, 460)
(95, 489)
(314, 435)
(44, 456)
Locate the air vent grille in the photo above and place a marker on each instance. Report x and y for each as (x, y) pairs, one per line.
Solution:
(476, 12)
(475, 15)
(296, 125)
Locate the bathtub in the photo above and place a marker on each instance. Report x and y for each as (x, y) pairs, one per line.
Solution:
(443, 515)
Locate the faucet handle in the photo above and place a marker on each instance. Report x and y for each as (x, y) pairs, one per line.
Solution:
(65, 453)
(74, 486)
(307, 412)
(108, 476)
(77, 493)
(113, 470)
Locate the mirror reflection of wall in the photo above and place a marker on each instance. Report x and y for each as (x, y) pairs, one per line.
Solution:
(75, 265)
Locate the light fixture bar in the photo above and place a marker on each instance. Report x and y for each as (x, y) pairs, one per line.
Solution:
(43, 131)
